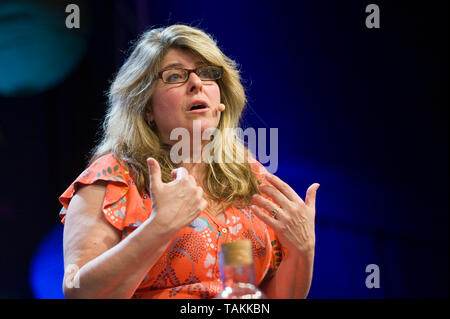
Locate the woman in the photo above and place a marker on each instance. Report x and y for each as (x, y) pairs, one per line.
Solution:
(139, 225)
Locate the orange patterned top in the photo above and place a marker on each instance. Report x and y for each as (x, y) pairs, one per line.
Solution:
(189, 268)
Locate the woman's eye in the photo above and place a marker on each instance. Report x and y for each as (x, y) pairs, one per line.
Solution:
(173, 77)
(204, 75)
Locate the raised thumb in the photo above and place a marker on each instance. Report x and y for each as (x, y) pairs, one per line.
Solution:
(154, 171)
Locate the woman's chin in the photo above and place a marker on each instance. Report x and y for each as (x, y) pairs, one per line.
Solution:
(201, 125)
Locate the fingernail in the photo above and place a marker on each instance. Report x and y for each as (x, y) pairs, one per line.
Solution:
(149, 162)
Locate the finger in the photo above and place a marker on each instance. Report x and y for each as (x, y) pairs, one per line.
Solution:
(154, 171)
(178, 173)
(203, 205)
(268, 206)
(283, 187)
(270, 221)
(310, 199)
(275, 194)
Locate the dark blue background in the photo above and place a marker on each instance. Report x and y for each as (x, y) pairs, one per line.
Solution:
(364, 112)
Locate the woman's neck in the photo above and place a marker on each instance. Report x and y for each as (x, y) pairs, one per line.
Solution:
(195, 169)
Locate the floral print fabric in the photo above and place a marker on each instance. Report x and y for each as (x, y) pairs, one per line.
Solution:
(189, 268)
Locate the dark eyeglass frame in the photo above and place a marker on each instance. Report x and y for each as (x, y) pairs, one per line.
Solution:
(189, 71)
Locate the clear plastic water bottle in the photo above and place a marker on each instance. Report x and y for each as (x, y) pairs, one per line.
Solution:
(237, 271)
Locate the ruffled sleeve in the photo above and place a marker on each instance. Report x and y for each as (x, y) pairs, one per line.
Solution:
(277, 251)
(122, 206)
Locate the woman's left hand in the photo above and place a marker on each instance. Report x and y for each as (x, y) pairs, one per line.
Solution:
(293, 221)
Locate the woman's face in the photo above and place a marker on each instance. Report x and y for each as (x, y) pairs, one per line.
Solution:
(171, 103)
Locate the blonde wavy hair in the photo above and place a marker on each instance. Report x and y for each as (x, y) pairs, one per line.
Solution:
(127, 135)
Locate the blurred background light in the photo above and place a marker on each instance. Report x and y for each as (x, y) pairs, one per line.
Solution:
(47, 266)
(37, 50)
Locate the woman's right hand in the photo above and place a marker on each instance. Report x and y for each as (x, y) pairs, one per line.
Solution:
(177, 203)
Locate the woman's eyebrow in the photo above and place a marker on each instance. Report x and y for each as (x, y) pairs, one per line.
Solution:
(173, 65)
(179, 65)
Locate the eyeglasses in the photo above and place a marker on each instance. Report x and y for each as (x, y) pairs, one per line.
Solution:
(179, 75)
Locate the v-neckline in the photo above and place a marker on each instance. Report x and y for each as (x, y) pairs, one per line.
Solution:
(216, 220)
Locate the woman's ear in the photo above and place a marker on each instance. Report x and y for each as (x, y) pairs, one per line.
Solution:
(149, 118)
(221, 107)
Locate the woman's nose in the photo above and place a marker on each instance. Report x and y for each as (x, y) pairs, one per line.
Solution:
(194, 82)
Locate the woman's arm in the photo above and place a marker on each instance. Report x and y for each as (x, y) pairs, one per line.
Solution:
(293, 223)
(111, 268)
(108, 267)
(292, 278)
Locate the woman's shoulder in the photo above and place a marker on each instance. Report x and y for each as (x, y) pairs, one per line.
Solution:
(121, 192)
(106, 168)
(256, 166)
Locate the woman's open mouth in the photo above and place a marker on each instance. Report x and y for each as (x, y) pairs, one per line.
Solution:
(199, 108)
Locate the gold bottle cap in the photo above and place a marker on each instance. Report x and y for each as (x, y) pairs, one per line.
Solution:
(238, 252)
